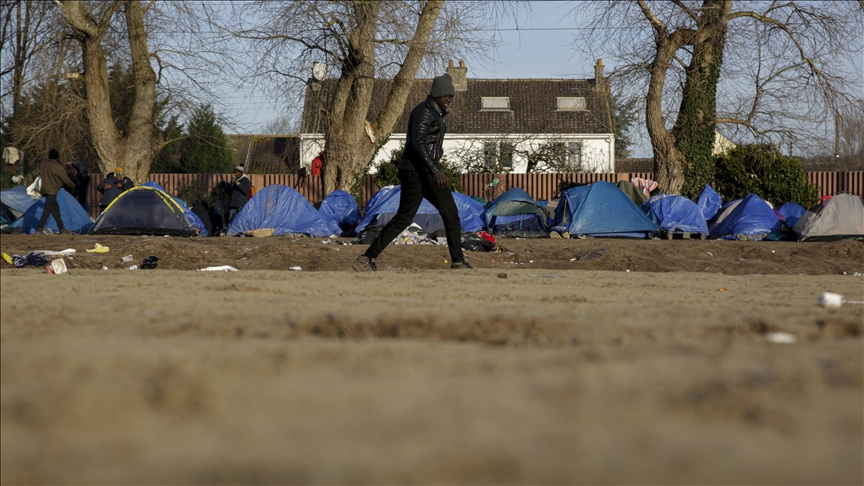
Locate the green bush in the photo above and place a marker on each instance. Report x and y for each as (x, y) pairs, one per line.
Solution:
(761, 169)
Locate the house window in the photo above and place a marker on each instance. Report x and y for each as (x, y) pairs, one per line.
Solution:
(571, 103)
(574, 155)
(506, 156)
(490, 154)
(495, 103)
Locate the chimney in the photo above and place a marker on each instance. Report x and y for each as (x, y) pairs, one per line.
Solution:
(459, 75)
(598, 72)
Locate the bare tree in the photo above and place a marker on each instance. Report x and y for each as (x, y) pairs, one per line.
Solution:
(360, 40)
(781, 68)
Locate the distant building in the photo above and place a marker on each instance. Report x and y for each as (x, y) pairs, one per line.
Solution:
(497, 122)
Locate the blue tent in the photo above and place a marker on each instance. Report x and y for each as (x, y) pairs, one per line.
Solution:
(285, 210)
(341, 208)
(601, 209)
(746, 219)
(516, 214)
(383, 206)
(17, 199)
(791, 211)
(677, 213)
(74, 216)
(192, 217)
(709, 202)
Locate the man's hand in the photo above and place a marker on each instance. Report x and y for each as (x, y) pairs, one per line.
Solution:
(441, 178)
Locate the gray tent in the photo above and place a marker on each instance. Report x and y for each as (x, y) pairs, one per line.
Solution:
(841, 217)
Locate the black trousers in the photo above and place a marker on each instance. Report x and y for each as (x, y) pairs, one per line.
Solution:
(416, 186)
(51, 209)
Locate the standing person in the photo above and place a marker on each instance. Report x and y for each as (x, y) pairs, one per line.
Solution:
(78, 173)
(54, 178)
(239, 194)
(421, 176)
(317, 164)
(114, 185)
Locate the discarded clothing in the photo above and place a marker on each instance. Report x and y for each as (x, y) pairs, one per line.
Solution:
(32, 258)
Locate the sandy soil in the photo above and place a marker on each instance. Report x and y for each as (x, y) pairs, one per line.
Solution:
(531, 368)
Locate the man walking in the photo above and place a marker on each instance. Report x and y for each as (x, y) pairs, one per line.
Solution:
(53, 176)
(421, 176)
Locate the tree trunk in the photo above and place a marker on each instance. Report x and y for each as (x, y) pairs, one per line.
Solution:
(695, 125)
(134, 150)
(349, 147)
(668, 160)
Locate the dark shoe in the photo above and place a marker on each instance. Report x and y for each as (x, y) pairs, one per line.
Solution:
(364, 264)
(461, 265)
(64, 231)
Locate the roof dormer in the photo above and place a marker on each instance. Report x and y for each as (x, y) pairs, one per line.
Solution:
(495, 103)
(571, 103)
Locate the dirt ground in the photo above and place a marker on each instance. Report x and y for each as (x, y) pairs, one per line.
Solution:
(549, 363)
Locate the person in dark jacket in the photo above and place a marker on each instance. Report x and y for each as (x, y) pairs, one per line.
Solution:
(422, 177)
(239, 192)
(114, 185)
(78, 173)
(201, 209)
(53, 176)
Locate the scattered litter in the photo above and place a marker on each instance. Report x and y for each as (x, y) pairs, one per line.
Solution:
(127, 258)
(627, 270)
(530, 261)
(57, 267)
(721, 289)
(221, 268)
(857, 274)
(33, 258)
(98, 249)
(7, 258)
(709, 253)
(296, 269)
(104, 268)
(781, 338)
(149, 263)
(772, 251)
(573, 259)
(502, 275)
(133, 267)
(831, 300)
(259, 233)
(67, 251)
(327, 241)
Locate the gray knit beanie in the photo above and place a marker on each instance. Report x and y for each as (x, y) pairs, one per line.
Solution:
(443, 86)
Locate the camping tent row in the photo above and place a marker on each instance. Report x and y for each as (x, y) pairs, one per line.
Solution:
(599, 210)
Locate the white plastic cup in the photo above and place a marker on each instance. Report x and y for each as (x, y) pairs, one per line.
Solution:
(830, 300)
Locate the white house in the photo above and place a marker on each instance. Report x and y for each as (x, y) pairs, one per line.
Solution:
(497, 124)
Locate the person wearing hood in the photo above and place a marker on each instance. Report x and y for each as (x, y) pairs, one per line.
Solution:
(114, 185)
(239, 192)
(422, 177)
(54, 177)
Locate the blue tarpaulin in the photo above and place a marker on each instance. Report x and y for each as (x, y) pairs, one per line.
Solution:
(677, 213)
(709, 202)
(750, 218)
(74, 216)
(284, 210)
(17, 199)
(791, 211)
(601, 209)
(341, 208)
(383, 206)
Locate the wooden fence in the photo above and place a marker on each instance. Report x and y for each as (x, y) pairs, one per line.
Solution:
(539, 186)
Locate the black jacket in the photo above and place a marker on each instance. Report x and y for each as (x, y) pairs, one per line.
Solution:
(240, 191)
(112, 191)
(425, 138)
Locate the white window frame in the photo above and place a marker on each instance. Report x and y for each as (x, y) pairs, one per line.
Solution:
(495, 103)
(571, 103)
